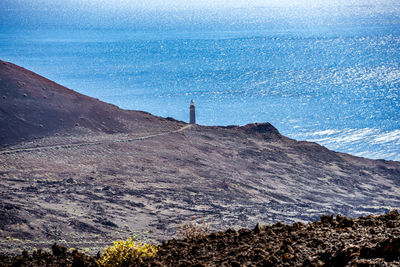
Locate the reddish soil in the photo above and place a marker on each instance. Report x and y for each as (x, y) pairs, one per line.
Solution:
(33, 107)
(331, 241)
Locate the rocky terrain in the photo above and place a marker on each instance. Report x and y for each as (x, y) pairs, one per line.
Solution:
(80, 172)
(331, 241)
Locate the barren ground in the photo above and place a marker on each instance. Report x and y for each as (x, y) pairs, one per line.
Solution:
(85, 185)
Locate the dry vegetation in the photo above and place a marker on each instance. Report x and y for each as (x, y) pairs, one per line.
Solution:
(194, 230)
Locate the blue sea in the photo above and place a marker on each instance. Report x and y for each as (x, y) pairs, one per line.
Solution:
(337, 86)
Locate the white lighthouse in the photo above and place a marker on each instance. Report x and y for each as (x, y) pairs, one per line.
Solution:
(192, 113)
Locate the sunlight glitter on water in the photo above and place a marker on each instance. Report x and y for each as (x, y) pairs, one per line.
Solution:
(301, 83)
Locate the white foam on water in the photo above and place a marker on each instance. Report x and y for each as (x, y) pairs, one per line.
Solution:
(393, 136)
(367, 142)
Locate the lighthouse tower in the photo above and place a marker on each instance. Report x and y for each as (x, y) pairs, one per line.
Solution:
(192, 117)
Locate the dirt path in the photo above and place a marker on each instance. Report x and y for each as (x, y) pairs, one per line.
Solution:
(60, 146)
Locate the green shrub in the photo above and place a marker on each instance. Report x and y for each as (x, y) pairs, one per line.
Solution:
(127, 253)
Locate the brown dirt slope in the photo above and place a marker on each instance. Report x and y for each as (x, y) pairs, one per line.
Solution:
(32, 106)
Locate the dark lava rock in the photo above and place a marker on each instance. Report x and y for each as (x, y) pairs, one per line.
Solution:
(265, 129)
(60, 256)
(339, 241)
(331, 241)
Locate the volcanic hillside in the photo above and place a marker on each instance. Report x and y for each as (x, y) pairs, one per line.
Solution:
(32, 106)
(101, 173)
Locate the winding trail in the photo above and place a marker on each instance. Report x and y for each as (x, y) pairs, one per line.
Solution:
(60, 146)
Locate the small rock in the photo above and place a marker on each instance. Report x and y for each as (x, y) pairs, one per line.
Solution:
(327, 218)
(58, 250)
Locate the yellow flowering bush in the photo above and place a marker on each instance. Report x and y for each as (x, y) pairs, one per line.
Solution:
(126, 253)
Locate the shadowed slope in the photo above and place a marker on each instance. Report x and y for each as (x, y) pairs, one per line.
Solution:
(32, 106)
